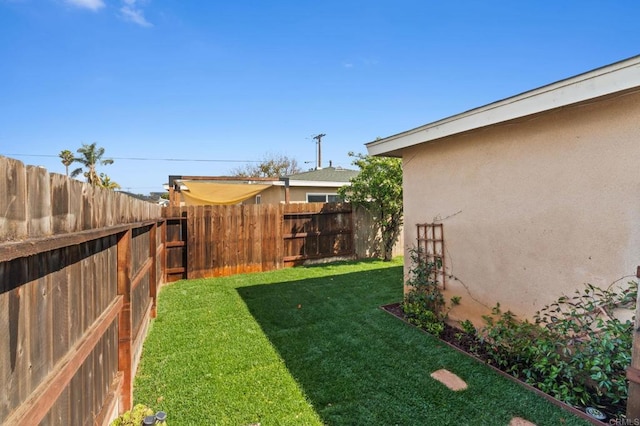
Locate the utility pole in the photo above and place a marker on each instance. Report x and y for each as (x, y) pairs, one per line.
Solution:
(319, 157)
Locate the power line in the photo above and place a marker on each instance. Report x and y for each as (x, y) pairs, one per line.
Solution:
(148, 159)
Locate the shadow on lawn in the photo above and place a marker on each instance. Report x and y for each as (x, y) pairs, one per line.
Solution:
(359, 365)
(321, 329)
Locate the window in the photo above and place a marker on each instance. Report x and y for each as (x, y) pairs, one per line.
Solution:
(316, 198)
(323, 198)
(258, 199)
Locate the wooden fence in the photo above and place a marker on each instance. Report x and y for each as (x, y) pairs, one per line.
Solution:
(79, 270)
(317, 231)
(209, 241)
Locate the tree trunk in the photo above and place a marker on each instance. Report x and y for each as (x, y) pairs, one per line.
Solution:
(387, 244)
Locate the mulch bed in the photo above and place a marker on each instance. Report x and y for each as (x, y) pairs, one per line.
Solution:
(464, 341)
(452, 335)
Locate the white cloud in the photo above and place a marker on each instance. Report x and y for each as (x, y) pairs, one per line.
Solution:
(132, 13)
(360, 62)
(87, 4)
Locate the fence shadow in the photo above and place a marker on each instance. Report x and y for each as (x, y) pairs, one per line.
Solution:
(358, 365)
(331, 335)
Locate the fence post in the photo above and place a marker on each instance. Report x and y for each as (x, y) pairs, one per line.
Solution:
(124, 318)
(633, 372)
(153, 276)
(163, 257)
(354, 232)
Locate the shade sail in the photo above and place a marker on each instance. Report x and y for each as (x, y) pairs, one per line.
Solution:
(212, 193)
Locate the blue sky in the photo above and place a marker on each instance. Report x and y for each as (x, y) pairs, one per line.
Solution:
(234, 80)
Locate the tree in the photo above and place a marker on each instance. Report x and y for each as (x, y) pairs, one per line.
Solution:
(67, 159)
(90, 157)
(378, 188)
(106, 182)
(271, 166)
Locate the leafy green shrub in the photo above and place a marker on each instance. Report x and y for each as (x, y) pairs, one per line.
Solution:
(424, 305)
(593, 342)
(577, 350)
(133, 417)
(508, 341)
(468, 327)
(419, 315)
(423, 281)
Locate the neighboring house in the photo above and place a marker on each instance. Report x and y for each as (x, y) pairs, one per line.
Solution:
(153, 197)
(537, 194)
(320, 185)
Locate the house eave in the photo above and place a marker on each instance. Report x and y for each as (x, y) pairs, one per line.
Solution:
(618, 77)
(318, 183)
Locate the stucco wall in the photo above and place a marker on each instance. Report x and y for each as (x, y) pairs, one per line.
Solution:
(275, 194)
(272, 195)
(534, 208)
(299, 194)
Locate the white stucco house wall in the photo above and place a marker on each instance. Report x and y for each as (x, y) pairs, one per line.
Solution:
(537, 194)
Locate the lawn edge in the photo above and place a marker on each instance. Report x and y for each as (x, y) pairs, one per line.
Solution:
(527, 386)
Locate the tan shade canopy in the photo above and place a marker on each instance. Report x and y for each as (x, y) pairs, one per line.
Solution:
(212, 193)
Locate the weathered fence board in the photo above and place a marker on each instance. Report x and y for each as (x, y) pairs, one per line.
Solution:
(13, 199)
(39, 201)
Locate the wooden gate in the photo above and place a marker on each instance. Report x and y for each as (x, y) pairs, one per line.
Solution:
(176, 243)
(315, 231)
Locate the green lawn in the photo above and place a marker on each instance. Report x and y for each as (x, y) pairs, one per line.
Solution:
(310, 346)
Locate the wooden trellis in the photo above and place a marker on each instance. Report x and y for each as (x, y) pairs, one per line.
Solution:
(431, 246)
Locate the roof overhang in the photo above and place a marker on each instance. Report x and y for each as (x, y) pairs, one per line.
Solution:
(318, 183)
(618, 77)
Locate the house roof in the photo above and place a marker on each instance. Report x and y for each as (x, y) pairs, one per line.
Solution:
(327, 174)
(623, 76)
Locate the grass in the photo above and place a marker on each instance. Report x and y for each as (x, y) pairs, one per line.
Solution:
(310, 346)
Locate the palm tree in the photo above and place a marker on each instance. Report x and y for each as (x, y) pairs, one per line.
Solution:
(67, 158)
(89, 158)
(107, 182)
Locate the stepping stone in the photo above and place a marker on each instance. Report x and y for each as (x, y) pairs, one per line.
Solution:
(519, 421)
(449, 379)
